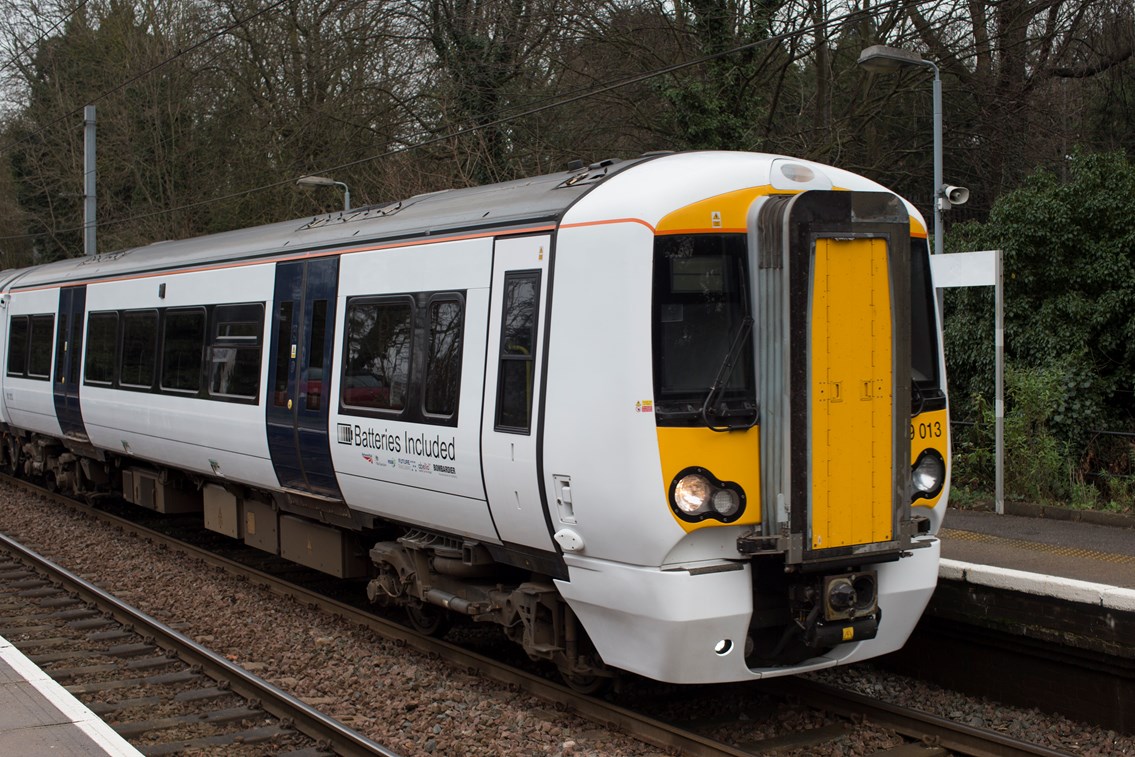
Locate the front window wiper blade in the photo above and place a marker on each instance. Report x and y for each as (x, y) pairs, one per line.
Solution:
(722, 377)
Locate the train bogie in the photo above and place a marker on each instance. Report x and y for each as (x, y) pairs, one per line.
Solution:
(683, 416)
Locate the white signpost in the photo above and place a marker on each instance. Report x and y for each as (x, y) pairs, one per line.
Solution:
(972, 269)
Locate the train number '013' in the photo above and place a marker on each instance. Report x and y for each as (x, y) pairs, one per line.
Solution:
(928, 430)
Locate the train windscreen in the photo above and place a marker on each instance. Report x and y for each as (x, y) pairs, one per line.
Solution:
(703, 353)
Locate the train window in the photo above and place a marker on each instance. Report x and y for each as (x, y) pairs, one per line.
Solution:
(235, 350)
(315, 379)
(701, 304)
(102, 346)
(285, 355)
(41, 341)
(376, 372)
(76, 350)
(182, 346)
(18, 346)
(517, 352)
(139, 347)
(443, 357)
(62, 347)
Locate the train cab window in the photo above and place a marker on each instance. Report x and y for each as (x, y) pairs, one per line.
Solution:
(702, 313)
(517, 352)
(40, 343)
(234, 351)
(926, 391)
(183, 343)
(443, 357)
(102, 346)
(376, 371)
(18, 330)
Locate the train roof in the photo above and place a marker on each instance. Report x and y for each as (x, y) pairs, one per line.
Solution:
(514, 204)
(539, 202)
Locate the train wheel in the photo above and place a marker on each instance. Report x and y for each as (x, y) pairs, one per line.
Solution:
(428, 619)
(592, 686)
(11, 453)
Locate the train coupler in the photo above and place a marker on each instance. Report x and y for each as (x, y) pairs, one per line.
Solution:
(829, 634)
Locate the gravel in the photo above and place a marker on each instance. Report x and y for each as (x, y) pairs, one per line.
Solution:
(1053, 731)
(400, 698)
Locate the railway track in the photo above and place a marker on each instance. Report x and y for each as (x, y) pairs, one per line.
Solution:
(925, 734)
(148, 678)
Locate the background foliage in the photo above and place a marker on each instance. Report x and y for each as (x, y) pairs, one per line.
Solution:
(1069, 258)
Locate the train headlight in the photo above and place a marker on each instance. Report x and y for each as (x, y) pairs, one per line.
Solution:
(696, 494)
(726, 502)
(692, 494)
(927, 475)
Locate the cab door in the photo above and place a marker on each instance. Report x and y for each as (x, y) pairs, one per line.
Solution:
(68, 359)
(513, 378)
(299, 376)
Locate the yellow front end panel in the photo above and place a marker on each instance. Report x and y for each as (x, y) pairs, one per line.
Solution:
(732, 456)
(852, 405)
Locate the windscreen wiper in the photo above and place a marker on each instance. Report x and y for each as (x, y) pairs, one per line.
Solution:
(723, 374)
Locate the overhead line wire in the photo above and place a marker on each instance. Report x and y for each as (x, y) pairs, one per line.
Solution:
(43, 35)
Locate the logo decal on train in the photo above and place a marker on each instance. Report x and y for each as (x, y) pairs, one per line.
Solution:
(422, 445)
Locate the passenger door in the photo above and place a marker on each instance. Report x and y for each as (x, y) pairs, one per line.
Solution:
(513, 378)
(299, 375)
(68, 359)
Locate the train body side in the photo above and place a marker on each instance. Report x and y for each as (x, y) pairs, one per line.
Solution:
(212, 438)
(421, 473)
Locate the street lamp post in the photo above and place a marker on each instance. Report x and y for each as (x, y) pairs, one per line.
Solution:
(883, 59)
(323, 181)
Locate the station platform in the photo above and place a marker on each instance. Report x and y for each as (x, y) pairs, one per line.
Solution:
(1031, 603)
(38, 716)
(1080, 553)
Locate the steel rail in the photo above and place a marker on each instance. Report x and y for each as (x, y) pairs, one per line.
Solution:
(272, 699)
(957, 737)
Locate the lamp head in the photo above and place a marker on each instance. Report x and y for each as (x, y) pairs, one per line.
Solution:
(315, 181)
(884, 59)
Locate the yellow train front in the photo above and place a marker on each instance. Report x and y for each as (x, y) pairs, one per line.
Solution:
(745, 430)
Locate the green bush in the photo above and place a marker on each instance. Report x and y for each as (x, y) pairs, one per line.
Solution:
(1069, 270)
(1037, 463)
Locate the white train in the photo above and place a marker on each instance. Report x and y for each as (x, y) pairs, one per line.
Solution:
(683, 415)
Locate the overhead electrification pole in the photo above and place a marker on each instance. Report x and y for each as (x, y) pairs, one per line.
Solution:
(89, 205)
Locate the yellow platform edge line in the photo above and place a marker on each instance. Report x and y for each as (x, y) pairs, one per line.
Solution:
(1033, 546)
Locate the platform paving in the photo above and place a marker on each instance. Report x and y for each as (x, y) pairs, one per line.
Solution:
(39, 717)
(1047, 546)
